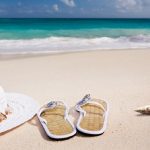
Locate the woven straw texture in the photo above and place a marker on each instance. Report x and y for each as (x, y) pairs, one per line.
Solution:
(56, 123)
(93, 120)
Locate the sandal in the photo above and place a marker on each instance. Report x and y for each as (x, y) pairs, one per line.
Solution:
(54, 119)
(93, 115)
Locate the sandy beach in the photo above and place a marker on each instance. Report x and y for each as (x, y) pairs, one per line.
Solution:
(121, 77)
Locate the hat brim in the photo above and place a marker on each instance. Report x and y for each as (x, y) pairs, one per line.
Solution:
(24, 108)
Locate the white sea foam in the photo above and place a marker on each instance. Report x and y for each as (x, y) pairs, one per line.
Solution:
(69, 44)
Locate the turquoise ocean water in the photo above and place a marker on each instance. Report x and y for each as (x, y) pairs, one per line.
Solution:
(60, 35)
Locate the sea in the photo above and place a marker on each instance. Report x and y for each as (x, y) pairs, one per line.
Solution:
(44, 35)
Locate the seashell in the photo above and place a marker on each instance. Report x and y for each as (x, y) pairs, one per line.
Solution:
(144, 110)
(2, 117)
(8, 110)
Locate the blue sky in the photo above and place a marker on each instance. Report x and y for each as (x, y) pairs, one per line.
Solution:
(75, 8)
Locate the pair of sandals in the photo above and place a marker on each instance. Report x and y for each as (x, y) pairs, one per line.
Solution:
(92, 120)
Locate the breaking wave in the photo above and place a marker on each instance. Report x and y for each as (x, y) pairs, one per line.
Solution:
(72, 44)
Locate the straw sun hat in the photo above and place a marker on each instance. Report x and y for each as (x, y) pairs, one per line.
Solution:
(16, 109)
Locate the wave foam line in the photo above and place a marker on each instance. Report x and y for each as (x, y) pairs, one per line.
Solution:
(67, 44)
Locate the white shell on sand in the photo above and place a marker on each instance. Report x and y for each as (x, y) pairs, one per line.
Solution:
(144, 109)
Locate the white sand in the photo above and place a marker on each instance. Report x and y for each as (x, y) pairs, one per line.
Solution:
(120, 77)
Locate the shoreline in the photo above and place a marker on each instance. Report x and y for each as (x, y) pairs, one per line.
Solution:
(38, 54)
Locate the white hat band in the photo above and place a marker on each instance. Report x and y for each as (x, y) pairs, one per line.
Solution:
(3, 101)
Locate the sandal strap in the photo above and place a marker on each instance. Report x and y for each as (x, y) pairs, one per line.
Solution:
(53, 104)
(84, 100)
(87, 99)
